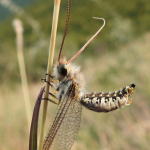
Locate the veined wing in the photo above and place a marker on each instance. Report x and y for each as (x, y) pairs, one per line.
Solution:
(65, 125)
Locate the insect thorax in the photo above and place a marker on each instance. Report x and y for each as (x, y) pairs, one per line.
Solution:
(68, 74)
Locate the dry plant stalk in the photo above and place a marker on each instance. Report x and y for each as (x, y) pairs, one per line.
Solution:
(49, 67)
(19, 41)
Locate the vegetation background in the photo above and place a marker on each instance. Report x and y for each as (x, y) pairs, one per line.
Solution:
(117, 57)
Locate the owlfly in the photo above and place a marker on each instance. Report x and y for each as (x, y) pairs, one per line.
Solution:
(67, 84)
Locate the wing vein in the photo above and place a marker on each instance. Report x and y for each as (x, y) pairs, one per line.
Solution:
(58, 119)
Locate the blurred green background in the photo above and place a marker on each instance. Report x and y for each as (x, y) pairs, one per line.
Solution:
(117, 57)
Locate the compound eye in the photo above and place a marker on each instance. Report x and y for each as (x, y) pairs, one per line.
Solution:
(62, 70)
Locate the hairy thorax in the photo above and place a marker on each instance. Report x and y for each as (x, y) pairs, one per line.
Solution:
(73, 76)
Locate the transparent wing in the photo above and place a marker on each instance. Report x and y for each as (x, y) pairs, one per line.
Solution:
(65, 125)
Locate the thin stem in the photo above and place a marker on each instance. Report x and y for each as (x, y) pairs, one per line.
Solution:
(50, 64)
(19, 39)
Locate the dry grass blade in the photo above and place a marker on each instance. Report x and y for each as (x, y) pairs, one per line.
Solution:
(19, 39)
(50, 63)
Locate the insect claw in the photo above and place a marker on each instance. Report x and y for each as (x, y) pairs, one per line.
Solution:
(43, 80)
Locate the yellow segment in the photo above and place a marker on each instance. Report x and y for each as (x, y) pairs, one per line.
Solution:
(125, 89)
(114, 94)
(100, 95)
(120, 93)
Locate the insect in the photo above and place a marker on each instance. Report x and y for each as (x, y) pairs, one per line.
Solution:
(67, 84)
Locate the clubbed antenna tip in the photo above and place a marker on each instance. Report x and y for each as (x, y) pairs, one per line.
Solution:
(88, 40)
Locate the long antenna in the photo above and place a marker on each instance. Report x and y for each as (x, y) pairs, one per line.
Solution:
(66, 27)
(88, 40)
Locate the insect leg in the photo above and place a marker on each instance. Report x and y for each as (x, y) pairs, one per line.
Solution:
(57, 103)
(51, 101)
(55, 91)
(52, 77)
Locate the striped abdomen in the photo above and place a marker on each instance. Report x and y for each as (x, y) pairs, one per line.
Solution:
(105, 102)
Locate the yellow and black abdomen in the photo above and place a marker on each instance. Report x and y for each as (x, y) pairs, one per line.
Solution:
(105, 102)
